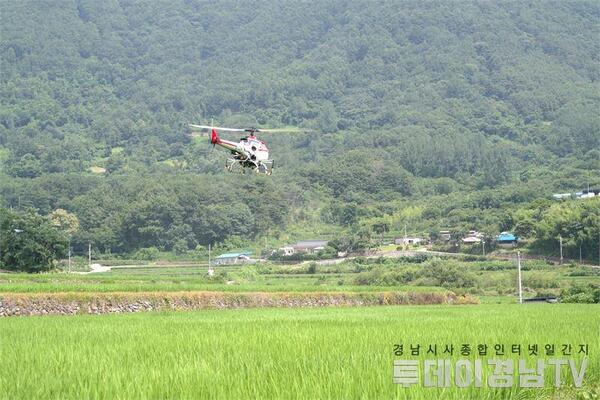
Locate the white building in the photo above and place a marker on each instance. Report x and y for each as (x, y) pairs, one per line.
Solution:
(409, 241)
(231, 258)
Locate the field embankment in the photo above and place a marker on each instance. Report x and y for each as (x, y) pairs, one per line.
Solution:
(103, 303)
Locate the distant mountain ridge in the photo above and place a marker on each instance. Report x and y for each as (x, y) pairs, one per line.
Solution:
(405, 100)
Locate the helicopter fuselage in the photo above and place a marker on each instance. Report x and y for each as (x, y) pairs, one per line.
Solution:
(248, 148)
(249, 152)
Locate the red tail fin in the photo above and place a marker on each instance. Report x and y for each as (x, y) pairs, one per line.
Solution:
(214, 138)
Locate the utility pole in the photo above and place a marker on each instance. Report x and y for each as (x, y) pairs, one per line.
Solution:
(405, 244)
(90, 254)
(263, 255)
(1, 243)
(483, 246)
(69, 253)
(210, 270)
(561, 253)
(520, 281)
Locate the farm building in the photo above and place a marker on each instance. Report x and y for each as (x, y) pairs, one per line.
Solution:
(584, 194)
(561, 196)
(507, 239)
(305, 246)
(473, 237)
(231, 258)
(287, 251)
(409, 240)
(309, 246)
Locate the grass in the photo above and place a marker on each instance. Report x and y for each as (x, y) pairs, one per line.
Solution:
(496, 280)
(138, 281)
(335, 353)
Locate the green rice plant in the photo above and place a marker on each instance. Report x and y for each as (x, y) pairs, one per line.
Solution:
(333, 353)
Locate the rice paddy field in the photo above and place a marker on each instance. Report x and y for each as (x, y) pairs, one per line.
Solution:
(175, 279)
(496, 280)
(332, 353)
(287, 353)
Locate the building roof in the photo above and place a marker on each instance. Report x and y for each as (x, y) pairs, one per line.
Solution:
(471, 239)
(506, 237)
(310, 244)
(234, 255)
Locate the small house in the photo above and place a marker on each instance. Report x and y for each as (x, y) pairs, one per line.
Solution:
(473, 237)
(287, 250)
(561, 196)
(587, 195)
(507, 239)
(231, 258)
(309, 246)
(409, 241)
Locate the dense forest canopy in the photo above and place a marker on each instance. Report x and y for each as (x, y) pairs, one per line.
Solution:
(437, 114)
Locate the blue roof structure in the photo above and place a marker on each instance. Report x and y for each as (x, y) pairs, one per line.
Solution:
(234, 255)
(506, 237)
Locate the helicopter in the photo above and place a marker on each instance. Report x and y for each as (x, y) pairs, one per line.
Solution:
(250, 153)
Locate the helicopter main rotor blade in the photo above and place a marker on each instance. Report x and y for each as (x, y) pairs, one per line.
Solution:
(217, 128)
(283, 130)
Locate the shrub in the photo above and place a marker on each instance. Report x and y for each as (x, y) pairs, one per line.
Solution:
(147, 254)
(544, 293)
(416, 259)
(581, 294)
(180, 247)
(579, 298)
(248, 273)
(582, 272)
(360, 267)
(385, 277)
(496, 266)
(539, 280)
(448, 273)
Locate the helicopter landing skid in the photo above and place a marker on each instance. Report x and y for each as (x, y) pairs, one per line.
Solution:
(236, 165)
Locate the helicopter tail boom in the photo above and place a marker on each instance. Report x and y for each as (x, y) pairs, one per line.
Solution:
(232, 146)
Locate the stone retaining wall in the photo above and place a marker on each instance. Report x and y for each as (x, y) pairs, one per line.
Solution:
(102, 303)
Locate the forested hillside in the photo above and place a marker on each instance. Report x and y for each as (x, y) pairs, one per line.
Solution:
(433, 114)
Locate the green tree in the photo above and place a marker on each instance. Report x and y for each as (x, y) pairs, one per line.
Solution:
(29, 241)
(64, 221)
